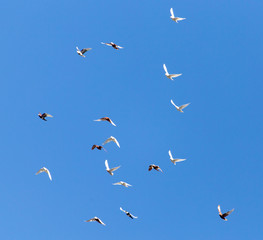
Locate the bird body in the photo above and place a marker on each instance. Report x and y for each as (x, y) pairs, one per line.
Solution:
(113, 139)
(180, 108)
(113, 45)
(224, 215)
(155, 167)
(98, 147)
(170, 76)
(105, 119)
(110, 171)
(82, 51)
(128, 214)
(176, 19)
(43, 169)
(44, 115)
(175, 160)
(95, 219)
(123, 184)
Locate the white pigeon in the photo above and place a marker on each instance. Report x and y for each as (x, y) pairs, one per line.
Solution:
(110, 171)
(82, 51)
(170, 76)
(176, 19)
(180, 109)
(95, 219)
(43, 169)
(128, 214)
(111, 138)
(175, 160)
(123, 184)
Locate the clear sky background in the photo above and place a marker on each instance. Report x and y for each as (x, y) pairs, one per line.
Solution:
(218, 48)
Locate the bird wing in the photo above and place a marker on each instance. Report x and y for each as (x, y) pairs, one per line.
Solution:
(227, 213)
(170, 154)
(174, 104)
(40, 171)
(133, 216)
(119, 46)
(98, 120)
(122, 210)
(128, 184)
(150, 168)
(115, 140)
(172, 12)
(101, 222)
(179, 160)
(85, 50)
(107, 141)
(112, 123)
(219, 209)
(160, 169)
(114, 169)
(107, 165)
(90, 220)
(49, 175)
(104, 149)
(48, 115)
(77, 48)
(108, 44)
(184, 106)
(117, 183)
(165, 69)
(176, 75)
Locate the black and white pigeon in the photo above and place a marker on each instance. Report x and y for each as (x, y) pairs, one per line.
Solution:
(224, 215)
(44, 115)
(112, 44)
(128, 214)
(82, 51)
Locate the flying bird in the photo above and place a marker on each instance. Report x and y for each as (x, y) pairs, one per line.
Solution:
(98, 147)
(123, 184)
(95, 219)
(176, 19)
(224, 215)
(128, 214)
(113, 139)
(43, 169)
(106, 119)
(44, 115)
(175, 160)
(170, 76)
(113, 45)
(110, 171)
(180, 109)
(155, 167)
(82, 51)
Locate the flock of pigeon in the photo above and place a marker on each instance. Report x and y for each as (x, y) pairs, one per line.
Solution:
(43, 116)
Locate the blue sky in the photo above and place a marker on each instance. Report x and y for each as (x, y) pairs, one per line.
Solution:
(218, 48)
